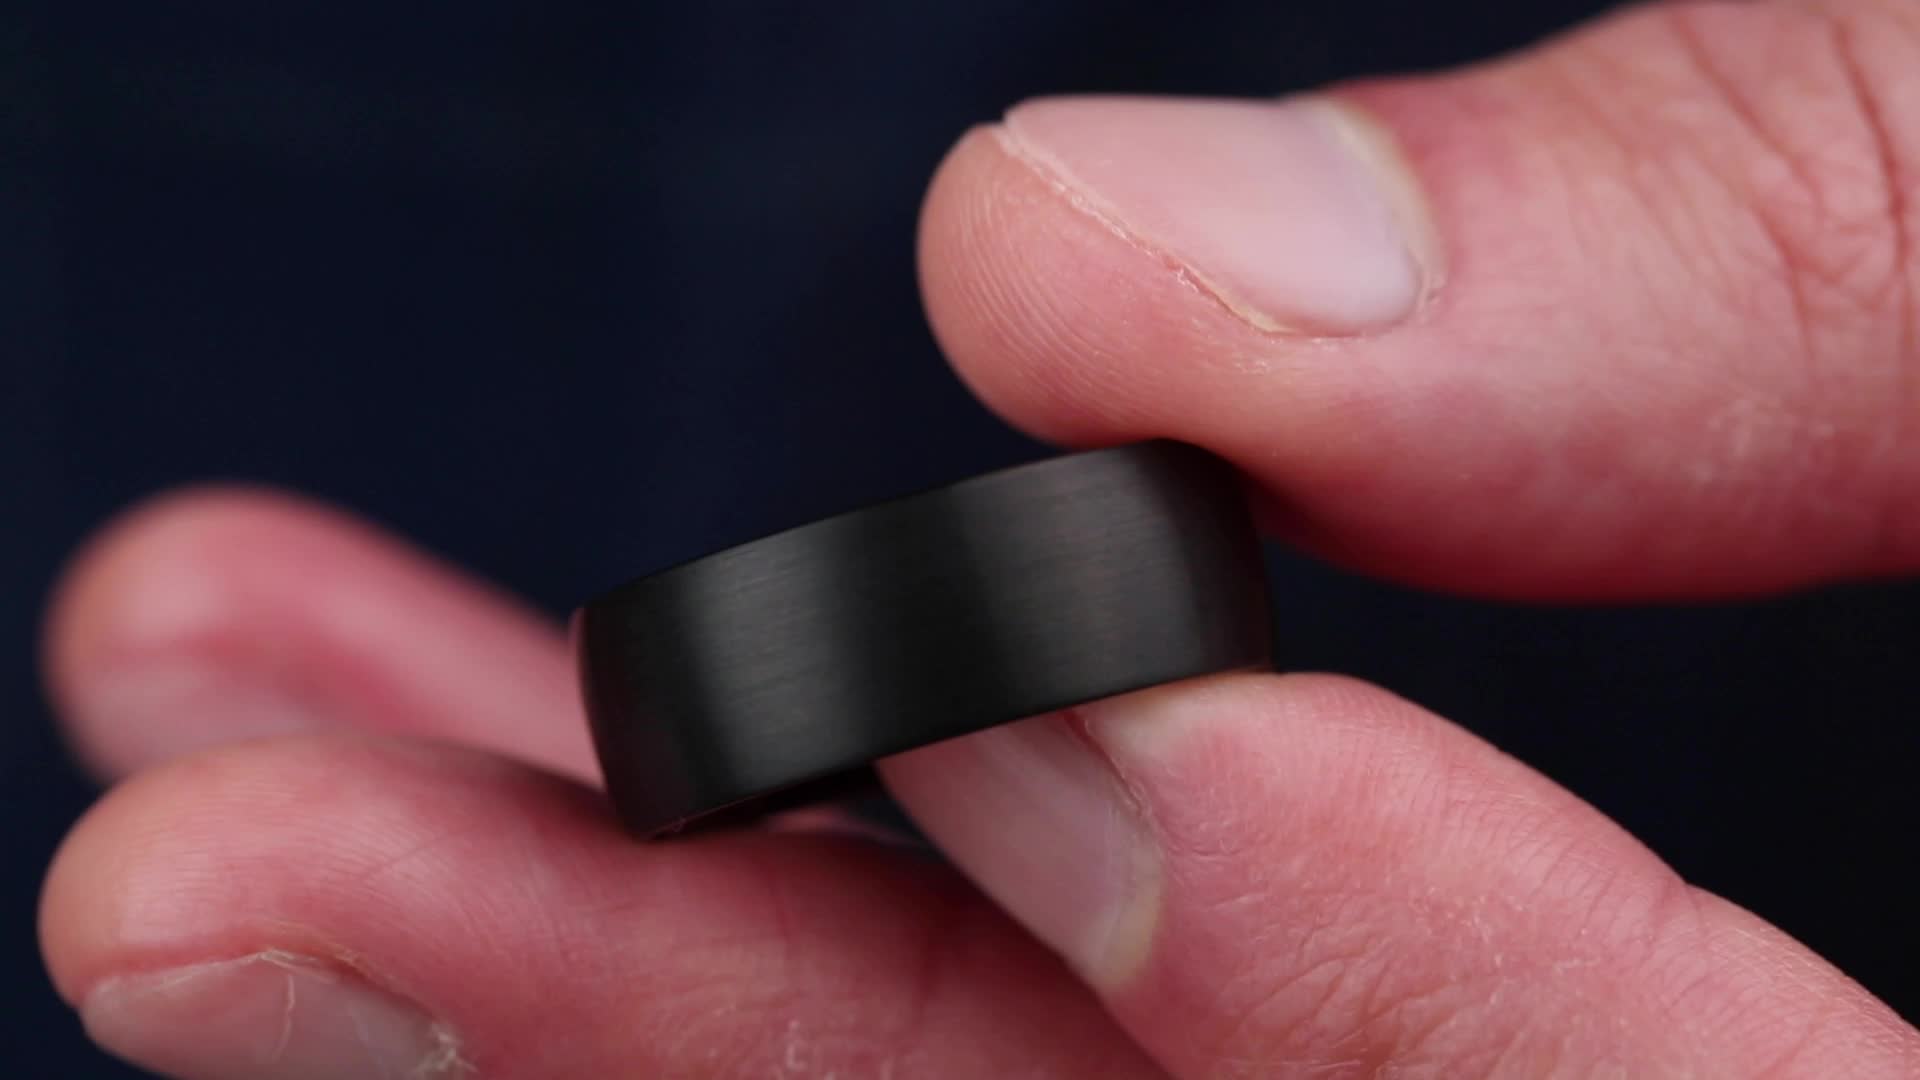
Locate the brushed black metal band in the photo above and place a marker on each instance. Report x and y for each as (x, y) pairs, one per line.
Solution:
(816, 650)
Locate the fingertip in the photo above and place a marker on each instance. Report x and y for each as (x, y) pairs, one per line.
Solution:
(1044, 310)
(93, 901)
(252, 846)
(973, 195)
(1077, 333)
(160, 583)
(71, 904)
(172, 569)
(102, 580)
(215, 614)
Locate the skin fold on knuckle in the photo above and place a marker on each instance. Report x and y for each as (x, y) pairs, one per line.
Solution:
(1404, 902)
(1774, 152)
(1347, 999)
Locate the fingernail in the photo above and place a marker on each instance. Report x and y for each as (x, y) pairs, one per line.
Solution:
(1036, 815)
(269, 1016)
(142, 714)
(1298, 215)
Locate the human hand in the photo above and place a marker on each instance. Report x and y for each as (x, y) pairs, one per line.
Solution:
(1636, 314)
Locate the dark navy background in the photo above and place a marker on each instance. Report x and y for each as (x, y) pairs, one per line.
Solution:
(570, 292)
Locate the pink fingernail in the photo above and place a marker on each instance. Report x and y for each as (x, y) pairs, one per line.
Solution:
(1037, 816)
(268, 1016)
(1298, 215)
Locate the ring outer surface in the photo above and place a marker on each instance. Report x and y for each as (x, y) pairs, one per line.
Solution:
(778, 664)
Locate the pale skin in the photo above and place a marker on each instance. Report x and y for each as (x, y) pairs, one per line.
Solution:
(1653, 316)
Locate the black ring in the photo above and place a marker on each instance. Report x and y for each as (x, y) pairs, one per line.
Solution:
(814, 651)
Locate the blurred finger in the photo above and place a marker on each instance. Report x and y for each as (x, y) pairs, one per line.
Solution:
(214, 615)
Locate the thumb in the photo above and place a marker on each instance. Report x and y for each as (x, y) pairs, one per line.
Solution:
(1633, 313)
